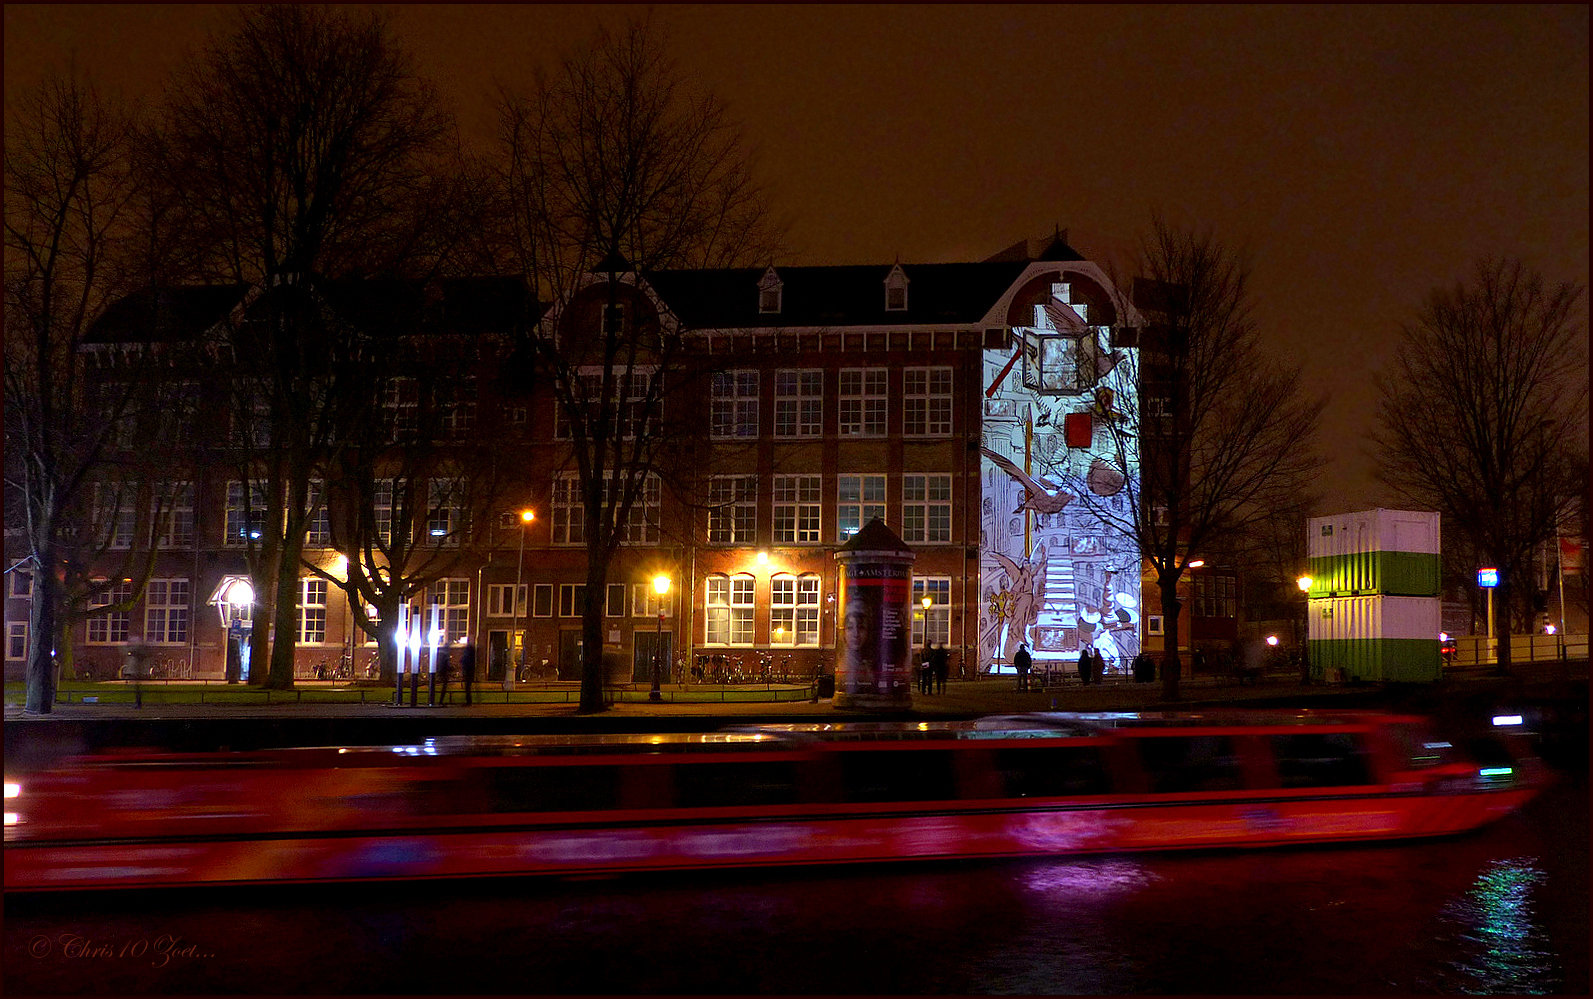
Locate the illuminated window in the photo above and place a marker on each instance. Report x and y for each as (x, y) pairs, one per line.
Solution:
(926, 509)
(797, 506)
(861, 498)
(926, 402)
(732, 509)
(798, 403)
(794, 610)
(245, 515)
(445, 513)
(645, 601)
(729, 610)
(319, 534)
(863, 401)
(1215, 596)
(166, 609)
(734, 408)
(109, 627)
(453, 597)
(312, 611)
(935, 622)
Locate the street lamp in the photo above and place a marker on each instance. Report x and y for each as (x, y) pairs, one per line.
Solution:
(509, 669)
(1304, 583)
(660, 587)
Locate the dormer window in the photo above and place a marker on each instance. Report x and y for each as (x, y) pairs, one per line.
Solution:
(769, 292)
(896, 290)
(614, 318)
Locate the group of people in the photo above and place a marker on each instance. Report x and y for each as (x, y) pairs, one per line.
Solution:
(1092, 665)
(933, 667)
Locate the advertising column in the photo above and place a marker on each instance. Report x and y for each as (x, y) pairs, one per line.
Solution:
(873, 658)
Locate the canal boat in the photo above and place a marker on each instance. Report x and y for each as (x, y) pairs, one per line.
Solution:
(801, 793)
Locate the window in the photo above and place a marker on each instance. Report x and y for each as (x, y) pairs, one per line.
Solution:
(645, 601)
(887, 775)
(452, 597)
(542, 600)
(1215, 596)
(22, 583)
(637, 413)
(16, 639)
(798, 403)
(926, 402)
(1177, 764)
(166, 608)
(717, 785)
(498, 597)
(1331, 759)
(614, 318)
(794, 610)
(861, 499)
(1048, 773)
(641, 524)
(456, 408)
(115, 514)
(926, 509)
(445, 511)
(935, 623)
(729, 610)
(174, 527)
(734, 410)
(312, 611)
(569, 512)
(796, 509)
(382, 507)
(401, 407)
(864, 399)
(614, 603)
(319, 532)
(572, 599)
(733, 509)
(896, 290)
(769, 292)
(110, 627)
(245, 519)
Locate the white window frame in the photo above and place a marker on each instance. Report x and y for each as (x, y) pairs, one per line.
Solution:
(615, 594)
(539, 606)
(926, 508)
(896, 281)
(926, 402)
(645, 601)
(859, 498)
(445, 512)
(175, 527)
(728, 610)
(572, 599)
(382, 501)
(111, 628)
(794, 602)
(318, 529)
(733, 411)
(238, 513)
(20, 589)
(401, 407)
(117, 526)
(16, 640)
(798, 507)
(168, 611)
(453, 596)
(312, 611)
(456, 408)
(771, 293)
(864, 402)
(733, 509)
(498, 600)
(799, 403)
(939, 614)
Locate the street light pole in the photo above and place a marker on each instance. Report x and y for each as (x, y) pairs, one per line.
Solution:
(510, 669)
(661, 587)
(1304, 583)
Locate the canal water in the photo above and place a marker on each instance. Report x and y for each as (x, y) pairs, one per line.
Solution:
(1502, 910)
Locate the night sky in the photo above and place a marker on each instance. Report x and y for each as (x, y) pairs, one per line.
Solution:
(1361, 154)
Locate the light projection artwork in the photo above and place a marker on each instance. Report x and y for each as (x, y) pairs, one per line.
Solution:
(1059, 464)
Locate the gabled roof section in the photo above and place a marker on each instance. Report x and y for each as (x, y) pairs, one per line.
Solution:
(836, 296)
(165, 315)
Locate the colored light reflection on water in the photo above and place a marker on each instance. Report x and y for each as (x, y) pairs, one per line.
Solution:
(1507, 946)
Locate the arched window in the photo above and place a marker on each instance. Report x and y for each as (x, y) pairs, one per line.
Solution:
(794, 610)
(729, 610)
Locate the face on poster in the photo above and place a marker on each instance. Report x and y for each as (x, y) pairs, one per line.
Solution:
(1059, 461)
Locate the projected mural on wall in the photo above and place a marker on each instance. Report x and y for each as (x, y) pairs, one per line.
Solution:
(1059, 406)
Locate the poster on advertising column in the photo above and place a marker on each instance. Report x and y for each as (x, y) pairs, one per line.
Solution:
(873, 666)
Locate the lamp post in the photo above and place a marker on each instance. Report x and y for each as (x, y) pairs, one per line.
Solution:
(1304, 583)
(509, 670)
(660, 587)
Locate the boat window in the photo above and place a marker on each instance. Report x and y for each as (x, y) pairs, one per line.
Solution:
(1041, 773)
(1178, 763)
(1321, 759)
(1419, 747)
(554, 789)
(873, 775)
(707, 785)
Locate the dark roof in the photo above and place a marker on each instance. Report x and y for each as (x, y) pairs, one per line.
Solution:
(163, 315)
(836, 296)
(875, 536)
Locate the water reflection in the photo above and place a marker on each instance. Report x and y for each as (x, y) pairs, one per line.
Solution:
(1093, 880)
(1504, 947)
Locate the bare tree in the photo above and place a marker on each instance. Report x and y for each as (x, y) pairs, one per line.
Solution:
(1220, 436)
(70, 223)
(301, 147)
(1483, 416)
(612, 168)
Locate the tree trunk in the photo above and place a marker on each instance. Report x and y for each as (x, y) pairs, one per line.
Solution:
(286, 618)
(1501, 622)
(41, 666)
(386, 647)
(1171, 666)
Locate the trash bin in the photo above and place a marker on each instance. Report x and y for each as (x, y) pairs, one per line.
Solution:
(827, 685)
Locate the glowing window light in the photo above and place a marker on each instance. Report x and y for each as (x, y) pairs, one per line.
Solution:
(1507, 720)
(1496, 771)
(13, 790)
(12, 818)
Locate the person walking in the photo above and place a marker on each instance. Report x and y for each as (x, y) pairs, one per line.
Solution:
(924, 681)
(467, 669)
(940, 660)
(1085, 662)
(1022, 660)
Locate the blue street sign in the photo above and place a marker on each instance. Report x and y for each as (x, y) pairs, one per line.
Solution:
(1488, 577)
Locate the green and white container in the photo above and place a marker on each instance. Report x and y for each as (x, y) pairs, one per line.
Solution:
(1374, 553)
(1374, 611)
